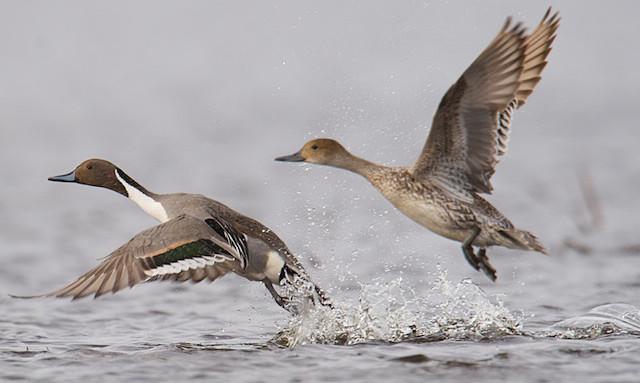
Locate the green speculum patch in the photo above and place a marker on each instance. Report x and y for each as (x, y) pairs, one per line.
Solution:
(190, 250)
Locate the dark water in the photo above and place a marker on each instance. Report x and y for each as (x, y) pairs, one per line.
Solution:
(201, 97)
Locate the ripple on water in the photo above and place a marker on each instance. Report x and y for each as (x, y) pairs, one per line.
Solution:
(604, 320)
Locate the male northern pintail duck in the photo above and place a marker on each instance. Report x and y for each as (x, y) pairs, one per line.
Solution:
(198, 239)
(468, 136)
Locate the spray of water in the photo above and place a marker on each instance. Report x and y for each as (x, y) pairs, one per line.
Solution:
(391, 311)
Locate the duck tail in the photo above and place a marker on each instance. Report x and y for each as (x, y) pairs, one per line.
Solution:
(322, 297)
(523, 240)
(301, 281)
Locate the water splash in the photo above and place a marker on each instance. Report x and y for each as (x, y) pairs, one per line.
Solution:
(389, 311)
(300, 294)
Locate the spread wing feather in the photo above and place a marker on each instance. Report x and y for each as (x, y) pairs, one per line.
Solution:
(470, 130)
(181, 249)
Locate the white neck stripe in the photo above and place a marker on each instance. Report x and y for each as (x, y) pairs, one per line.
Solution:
(146, 203)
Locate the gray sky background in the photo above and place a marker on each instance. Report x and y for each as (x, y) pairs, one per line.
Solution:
(201, 95)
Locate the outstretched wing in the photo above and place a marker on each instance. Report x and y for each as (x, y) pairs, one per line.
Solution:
(181, 249)
(471, 127)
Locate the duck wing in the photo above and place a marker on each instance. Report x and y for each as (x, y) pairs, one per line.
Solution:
(263, 233)
(181, 249)
(470, 129)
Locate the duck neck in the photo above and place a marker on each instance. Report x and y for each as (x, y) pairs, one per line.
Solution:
(142, 197)
(357, 165)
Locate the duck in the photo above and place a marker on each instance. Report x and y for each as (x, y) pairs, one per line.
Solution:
(468, 137)
(197, 239)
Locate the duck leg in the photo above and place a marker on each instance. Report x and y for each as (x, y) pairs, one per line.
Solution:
(279, 300)
(467, 249)
(489, 270)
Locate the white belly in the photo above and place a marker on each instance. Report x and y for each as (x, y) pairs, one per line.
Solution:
(432, 217)
(273, 264)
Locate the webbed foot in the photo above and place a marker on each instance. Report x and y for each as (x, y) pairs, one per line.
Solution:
(479, 261)
(484, 264)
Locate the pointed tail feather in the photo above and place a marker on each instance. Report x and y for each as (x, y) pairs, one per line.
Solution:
(301, 283)
(523, 240)
(323, 298)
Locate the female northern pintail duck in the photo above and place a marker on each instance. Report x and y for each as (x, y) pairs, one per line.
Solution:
(198, 239)
(468, 136)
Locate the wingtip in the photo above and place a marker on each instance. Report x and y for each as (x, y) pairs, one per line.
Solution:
(507, 23)
(549, 18)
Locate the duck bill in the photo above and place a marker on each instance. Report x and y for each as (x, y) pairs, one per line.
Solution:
(295, 157)
(69, 177)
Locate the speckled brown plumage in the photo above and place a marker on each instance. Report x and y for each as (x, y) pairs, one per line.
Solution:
(468, 136)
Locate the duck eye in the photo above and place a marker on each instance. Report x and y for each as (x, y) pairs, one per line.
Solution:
(89, 167)
(314, 147)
